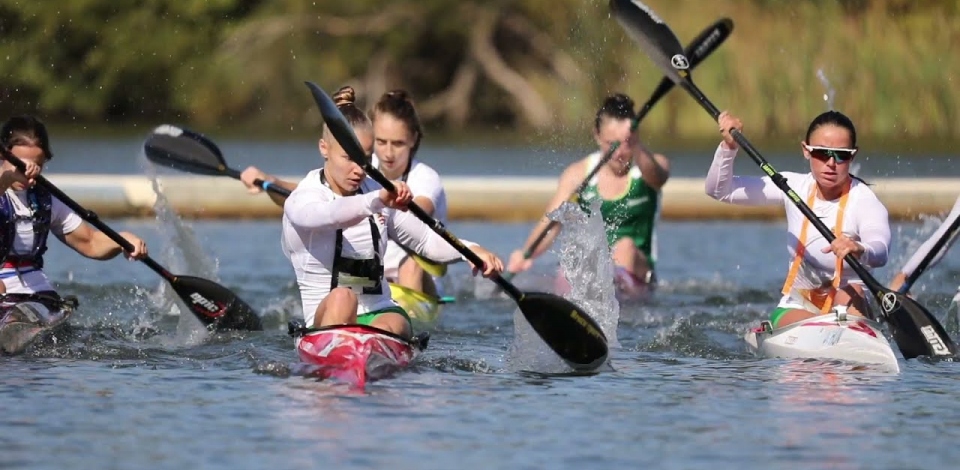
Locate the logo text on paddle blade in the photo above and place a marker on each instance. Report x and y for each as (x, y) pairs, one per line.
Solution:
(577, 317)
(210, 308)
(707, 43)
(930, 334)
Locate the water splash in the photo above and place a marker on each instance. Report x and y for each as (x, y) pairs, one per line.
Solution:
(586, 264)
(182, 253)
(829, 93)
(828, 96)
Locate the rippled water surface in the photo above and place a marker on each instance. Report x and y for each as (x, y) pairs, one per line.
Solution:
(130, 385)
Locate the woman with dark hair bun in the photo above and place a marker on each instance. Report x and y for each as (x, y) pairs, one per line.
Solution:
(628, 190)
(397, 134)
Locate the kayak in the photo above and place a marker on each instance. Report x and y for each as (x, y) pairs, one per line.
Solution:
(423, 309)
(832, 336)
(628, 287)
(355, 354)
(25, 317)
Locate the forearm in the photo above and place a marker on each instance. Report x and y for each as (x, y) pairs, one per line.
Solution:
(100, 247)
(315, 213)
(411, 232)
(722, 185)
(652, 171)
(279, 199)
(549, 231)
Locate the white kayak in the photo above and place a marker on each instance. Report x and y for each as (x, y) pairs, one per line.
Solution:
(831, 336)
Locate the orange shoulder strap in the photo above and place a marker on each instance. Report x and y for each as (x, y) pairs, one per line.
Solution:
(802, 244)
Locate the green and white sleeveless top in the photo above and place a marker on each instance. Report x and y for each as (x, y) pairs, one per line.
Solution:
(633, 214)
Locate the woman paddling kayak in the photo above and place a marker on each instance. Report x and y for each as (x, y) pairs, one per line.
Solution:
(397, 134)
(336, 224)
(817, 278)
(628, 190)
(28, 215)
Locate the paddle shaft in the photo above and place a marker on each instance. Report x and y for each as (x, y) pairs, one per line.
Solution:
(925, 262)
(781, 183)
(91, 217)
(264, 185)
(438, 227)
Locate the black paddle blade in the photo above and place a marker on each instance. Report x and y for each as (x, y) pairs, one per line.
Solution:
(339, 126)
(566, 328)
(915, 330)
(184, 150)
(214, 305)
(708, 41)
(653, 35)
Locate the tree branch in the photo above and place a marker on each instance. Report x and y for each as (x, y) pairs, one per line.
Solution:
(454, 101)
(482, 49)
(541, 43)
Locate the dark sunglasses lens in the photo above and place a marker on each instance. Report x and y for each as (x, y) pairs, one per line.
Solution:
(839, 155)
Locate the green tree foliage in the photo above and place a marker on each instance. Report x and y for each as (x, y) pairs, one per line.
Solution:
(526, 64)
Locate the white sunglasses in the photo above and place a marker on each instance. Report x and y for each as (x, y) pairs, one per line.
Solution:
(825, 153)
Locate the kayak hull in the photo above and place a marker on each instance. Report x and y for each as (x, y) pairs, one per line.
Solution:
(831, 337)
(26, 317)
(357, 354)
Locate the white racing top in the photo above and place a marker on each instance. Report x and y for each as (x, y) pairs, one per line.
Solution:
(423, 181)
(311, 217)
(865, 218)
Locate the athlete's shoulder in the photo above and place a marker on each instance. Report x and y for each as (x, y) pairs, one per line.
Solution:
(421, 171)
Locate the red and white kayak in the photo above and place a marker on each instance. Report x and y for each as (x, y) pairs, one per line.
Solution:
(831, 336)
(356, 354)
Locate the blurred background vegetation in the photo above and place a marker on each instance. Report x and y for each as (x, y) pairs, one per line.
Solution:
(533, 70)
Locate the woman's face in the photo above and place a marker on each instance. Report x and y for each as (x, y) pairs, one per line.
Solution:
(831, 169)
(28, 153)
(616, 130)
(342, 173)
(393, 142)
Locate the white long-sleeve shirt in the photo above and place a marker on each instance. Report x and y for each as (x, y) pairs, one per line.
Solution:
(311, 217)
(423, 181)
(865, 218)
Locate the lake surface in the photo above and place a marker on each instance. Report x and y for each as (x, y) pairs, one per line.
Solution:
(132, 385)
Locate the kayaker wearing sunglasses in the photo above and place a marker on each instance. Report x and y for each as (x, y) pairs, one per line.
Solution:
(816, 280)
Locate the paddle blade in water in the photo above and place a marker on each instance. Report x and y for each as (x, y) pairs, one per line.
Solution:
(215, 305)
(653, 35)
(914, 329)
(566, 328)
(184, 150)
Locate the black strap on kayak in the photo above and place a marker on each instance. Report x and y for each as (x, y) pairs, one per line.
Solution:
(49, 298)
(298, 328)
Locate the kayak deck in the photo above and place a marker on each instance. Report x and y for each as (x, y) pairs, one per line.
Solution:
(25, 317)
(830, 336)
(355, 354)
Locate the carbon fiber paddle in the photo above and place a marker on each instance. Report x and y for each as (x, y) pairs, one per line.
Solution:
(214, 305)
